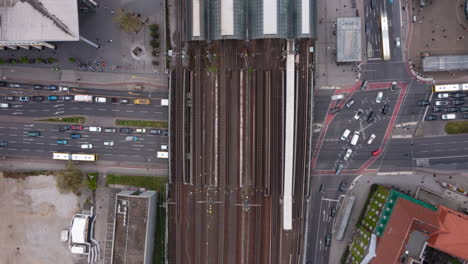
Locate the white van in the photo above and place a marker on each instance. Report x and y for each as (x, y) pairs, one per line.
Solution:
(345, 134)
(5, 105)
(100, 100)
(449, 116)
(355, 138)
(94, 129)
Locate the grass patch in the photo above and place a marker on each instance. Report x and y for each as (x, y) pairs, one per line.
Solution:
(457, 127)
(91, 180)
(24, 174)
(152, 183)
(69, 119)
(141, 123)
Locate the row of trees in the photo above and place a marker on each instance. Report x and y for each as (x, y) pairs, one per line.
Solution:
(26, 60)
(154, 42)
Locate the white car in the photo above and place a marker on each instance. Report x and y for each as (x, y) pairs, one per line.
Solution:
(164, 147)
(449, 116)
(358, 114)
(337, 97)
(441, 103)
(86, 146)
(345, 134)
(443, 95)
(64, 89)
(371, 139)
(397, 42)
(378, 99)
(95, 129)
(355, 138)
(348, 154)
(100, 100)
(109, 143)
(140, 130)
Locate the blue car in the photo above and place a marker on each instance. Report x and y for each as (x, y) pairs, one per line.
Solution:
(75, 135)
(52, 98)
(3, 144)
(62, 141)
(52, 87)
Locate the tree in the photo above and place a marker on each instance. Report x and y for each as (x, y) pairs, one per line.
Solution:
(51, 60)
(39, 60)
(2, 61)
(24, 60)
(128, 21)
(154, 28)
(70, 179)
(154, 43)
(71, 59)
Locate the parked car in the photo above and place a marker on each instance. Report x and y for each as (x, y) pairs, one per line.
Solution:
(385, 109)
(38, 98)
(9, 98)
(452, 109)
(77, 127)
(358, 114)
(458, 101)
(109, 143)
(458, 95)
(438, 109)
(443, 95)
(64, 128)
(371, 139)
(37, 87)
(334, 110)
(448, 116)
(24, 99)
(164, 147)
(52, 98)
(370, 117)
(3, 143)
(439, 103)
(350, 103)
(52, 88)
(423, 102)
(76, 135)
(126, 130)
(431, 117)
(62, 141)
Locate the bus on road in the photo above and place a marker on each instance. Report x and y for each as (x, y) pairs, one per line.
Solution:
(76, 157)
(441, 88)
(385, 38)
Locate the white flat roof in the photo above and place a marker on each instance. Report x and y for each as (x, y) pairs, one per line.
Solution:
(270, 17)
(39, 20)
(305, 17)
(348, 34)
(196, 18)
(227, 17)
(78, 230)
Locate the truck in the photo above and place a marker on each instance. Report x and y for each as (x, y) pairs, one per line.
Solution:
(83, 98)
(142, 101)
(165, 102)
(163, 154)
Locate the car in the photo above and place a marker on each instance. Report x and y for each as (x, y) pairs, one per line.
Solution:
(114, 100)
(370, 117)
(452, 109)
(336, 97)
(9, 98)
(52, 88)
(67, 98)
(64, 128)
(164, 147)
(95, 129)
(439, 103)
(342, 186)
(155, 131)
(86, 146)
(355, 138)
(423, 102)
(431, 117)
(140, 130)
(334, 110)
(109, 143)
(345, 134)
(438, 109)
(3, 84)
(364, 85)
(3, 144)
(443, 95)
(165, 132)
(34, 134)
(38, 98)
(62, 141)
(393, 87)
(126, 130)
(322, 188)
(5, 105)
(142, 101)
(373, 4)
(124, 101)
(109, 130)
(371, 139)
(64, 89)
(385, 109)
(464, 108)
(75, 135)
(465, 116)
(339, 169)
(37, 87)
(55, 69)
(458, 101)
(448, 116)
(368, 30)
(15, 85)
(348, 154)
(100, 100)
(333, 212)
(358, 114)
(52, 98)
(350, 103)
(379, 97)
(458, 95)
(76, 127)
(376, 152)
(328, 240)
(131, 138)
(397, 42)
(24, 98)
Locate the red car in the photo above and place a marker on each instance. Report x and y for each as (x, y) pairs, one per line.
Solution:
(376, 152)
(77, 127)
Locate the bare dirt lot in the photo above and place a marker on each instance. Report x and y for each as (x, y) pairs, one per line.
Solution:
(33, 213)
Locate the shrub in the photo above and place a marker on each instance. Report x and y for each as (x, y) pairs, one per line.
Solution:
(51, 60)
(154, 27)
(92, 180)
(70, 179)
(155, 53)
(154, 43)
(71, 59)
(24, 60)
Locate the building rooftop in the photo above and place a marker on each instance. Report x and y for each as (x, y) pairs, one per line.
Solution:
(39, 20)
(348, 34)
(445, 63)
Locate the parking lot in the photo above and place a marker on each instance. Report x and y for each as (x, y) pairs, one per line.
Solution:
(446, 106)
(98, 135)
(334, 149)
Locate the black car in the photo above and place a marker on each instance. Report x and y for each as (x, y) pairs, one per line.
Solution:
(393, 87)
(322, 188)
(465, 116)
(458, 101)
(385, 109)
(370, 117)
(126, 130)
(423, 102)
(335, 110)
(342, 187)
(114, 100)
(458, 95)
(64, 128)
(37, 87)
(9, 98)
(328, 240)
(437, 109)
(38, 98)
(3, 84)
(464, 109)
(453, 109)
(165, 132)
(431, 117)
(332, 212)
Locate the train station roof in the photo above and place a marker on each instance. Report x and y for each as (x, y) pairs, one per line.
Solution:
(40, 20)
(348, 34)
(445, 63)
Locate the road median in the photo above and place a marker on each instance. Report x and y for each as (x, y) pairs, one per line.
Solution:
(141, 123)
(456, 127)
(68, 119)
